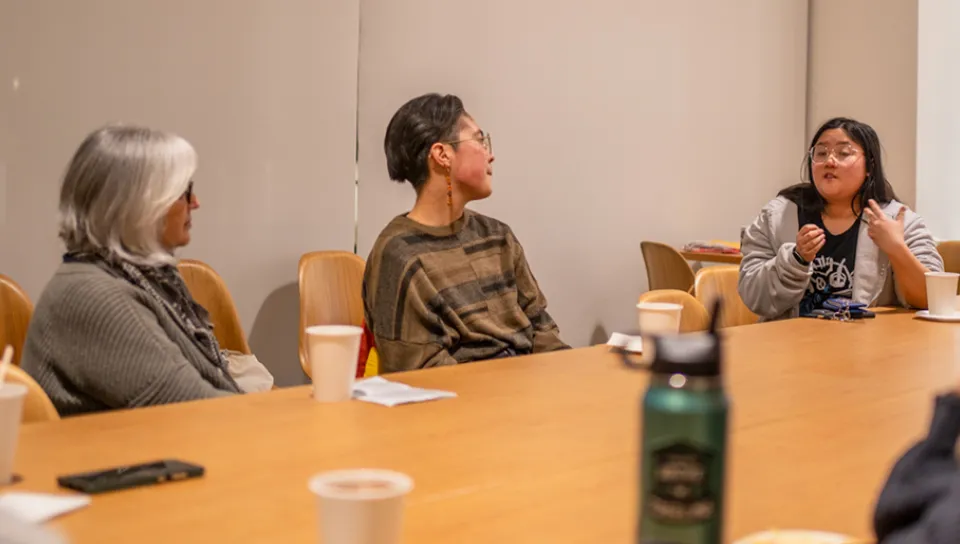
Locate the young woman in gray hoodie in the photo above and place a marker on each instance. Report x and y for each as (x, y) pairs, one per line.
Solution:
(841, 233)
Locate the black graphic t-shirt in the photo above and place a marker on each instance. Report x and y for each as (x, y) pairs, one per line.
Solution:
(832, 267)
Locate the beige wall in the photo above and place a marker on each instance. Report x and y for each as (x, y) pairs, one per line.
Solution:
(668, 121)
(863, 64)
(6, 90)
(266, 92)
(938, 116)
(630, 120)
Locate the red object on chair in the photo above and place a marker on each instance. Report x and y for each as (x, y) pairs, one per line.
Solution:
(366, 344)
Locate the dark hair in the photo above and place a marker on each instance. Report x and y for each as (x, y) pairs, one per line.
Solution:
(875, 185)
(415, 127)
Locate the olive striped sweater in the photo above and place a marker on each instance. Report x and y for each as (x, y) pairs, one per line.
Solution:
(453, 294)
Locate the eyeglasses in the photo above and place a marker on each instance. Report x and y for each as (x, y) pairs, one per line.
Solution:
(484, 140)
(844, 154)
(188, 194)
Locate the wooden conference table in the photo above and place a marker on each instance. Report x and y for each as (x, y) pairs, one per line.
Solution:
(535, 449)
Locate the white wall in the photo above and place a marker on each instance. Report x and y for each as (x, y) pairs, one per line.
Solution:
(938, 116)
(266, 92)
(614, 123)
(863, 64)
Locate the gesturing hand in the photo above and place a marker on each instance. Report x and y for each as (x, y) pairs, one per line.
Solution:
(885, 232)
(809, 241)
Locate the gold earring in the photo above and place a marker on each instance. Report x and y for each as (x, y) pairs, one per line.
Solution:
(449, 191)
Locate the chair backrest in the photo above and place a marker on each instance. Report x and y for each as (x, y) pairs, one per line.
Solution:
(209, 290)
(331, 292)
(15, 313)
(693, 318)
(950, 251)
(666, 268)
(37, 406)
(721, 281)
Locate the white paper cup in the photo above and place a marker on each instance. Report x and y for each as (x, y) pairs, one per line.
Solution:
(794, 536)
(942, 293)
(11, 410)
(362, 506)
(333, 352)
(658, 318)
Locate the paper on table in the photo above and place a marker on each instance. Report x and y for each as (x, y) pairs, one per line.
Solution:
(630, 343)
(40, 507)
(15, 530)
(380, 391)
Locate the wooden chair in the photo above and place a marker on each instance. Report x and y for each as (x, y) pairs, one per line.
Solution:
(714, 281)
(950, 251)
(331, 293)
(666, 268)
(15, 313)
(693, 317)
(209, 290)
(37, 406)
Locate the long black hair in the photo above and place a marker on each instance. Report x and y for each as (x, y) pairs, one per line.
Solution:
(875, 185)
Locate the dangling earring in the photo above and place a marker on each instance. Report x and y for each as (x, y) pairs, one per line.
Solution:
(449, 191)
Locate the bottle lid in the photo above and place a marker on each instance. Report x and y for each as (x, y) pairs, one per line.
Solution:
(696, 354)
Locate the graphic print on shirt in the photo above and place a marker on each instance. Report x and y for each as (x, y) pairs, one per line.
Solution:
(831, 277)
(833, 268)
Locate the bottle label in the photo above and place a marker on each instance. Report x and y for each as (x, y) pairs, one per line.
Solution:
(681, 491)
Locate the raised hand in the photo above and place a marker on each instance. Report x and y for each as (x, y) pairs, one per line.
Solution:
(885, 232)
(809, 241)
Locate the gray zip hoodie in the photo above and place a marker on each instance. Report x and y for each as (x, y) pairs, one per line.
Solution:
(772, 281)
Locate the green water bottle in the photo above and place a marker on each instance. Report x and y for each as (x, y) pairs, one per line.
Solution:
(684, 442)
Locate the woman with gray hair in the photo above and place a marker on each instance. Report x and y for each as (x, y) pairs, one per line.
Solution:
(116, 326)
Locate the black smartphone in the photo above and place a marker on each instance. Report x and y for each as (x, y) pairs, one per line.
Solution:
(113, 479)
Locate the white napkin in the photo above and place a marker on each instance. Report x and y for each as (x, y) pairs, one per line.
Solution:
(14, 530)
(40, 507)
(630, 343)
(380, 391)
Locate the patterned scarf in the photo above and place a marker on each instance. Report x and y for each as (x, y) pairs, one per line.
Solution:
(165, 285)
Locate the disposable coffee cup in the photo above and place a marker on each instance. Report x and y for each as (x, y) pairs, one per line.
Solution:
(360, 506)
(942, 293)
(333, 351)
(656, 319)
(11, 411)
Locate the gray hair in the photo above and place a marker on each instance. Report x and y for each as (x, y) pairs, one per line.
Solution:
(118, 189)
